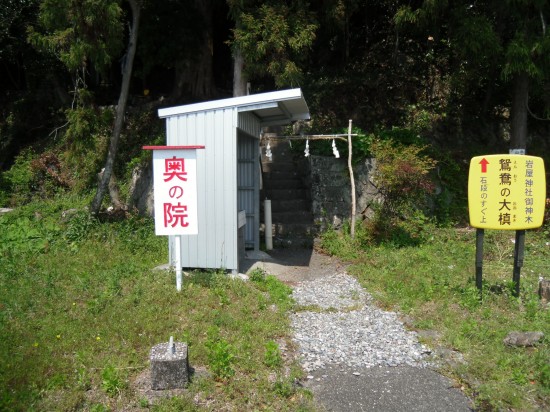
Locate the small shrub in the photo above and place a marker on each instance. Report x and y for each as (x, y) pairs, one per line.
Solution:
(86, 141)
(284, 388)
(257, 275)
(544, 376)
(272, 357)
(19, 179)
(79, 226)
(220, 356)
(402, 177)
(24, 235)
(111, 381)
(98, 407)
(279, 293)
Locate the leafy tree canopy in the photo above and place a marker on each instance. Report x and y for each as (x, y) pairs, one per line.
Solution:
(273, 37)
(80, 32)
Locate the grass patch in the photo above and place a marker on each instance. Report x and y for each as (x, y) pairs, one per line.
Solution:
(434, 284)
(80, 309)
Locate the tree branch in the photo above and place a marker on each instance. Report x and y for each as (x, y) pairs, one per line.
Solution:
(534, 116)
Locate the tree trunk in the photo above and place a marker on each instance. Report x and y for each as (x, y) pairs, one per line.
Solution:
(518, 138)
(239, 79)
(120, 110)
(196, 76)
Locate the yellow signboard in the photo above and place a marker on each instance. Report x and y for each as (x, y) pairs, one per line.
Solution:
(506, 192)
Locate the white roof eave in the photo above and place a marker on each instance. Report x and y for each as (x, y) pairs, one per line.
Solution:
(273, 108)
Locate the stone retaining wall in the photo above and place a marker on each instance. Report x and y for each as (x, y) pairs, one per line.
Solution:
(329, 181)
(326, 176)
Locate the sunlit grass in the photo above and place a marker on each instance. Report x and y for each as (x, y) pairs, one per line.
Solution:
(81, 307)
(433, 283)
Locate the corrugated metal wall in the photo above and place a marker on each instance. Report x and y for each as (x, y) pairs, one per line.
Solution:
(248, 194)
(249, 124)
(248, 176)
(216, 244)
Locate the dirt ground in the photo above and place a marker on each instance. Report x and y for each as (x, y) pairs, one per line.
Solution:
(293, 265)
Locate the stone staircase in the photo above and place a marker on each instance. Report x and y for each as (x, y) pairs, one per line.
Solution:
(283, 184)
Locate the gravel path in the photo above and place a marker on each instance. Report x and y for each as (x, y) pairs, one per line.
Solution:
(346, 343)
(341, 325)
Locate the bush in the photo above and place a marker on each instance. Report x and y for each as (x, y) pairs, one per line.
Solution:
(86, 141)
(402, 177)
(19, 179)
(220, 355)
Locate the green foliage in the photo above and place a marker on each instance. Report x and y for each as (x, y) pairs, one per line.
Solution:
(220, 355)
(272, 357)
(478, 42)
(341, 244)
(142, 128)
(20, 179)
(279, 293)
(519, 59)
(85, 141)
(4, 191)
(405, 136)
(65, 330)
(21, 235)
(421, 119)
(273, 39)
(402, 177)
(544, 376)
(79, 226)
(450, 204)
(72, 163)
(180, 403)
(78, 33)
(98, 407)
(257, 275)
(112, 381)
(476, 39)
(284, 388)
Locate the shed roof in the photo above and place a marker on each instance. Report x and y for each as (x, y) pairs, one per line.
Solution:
(273, 108)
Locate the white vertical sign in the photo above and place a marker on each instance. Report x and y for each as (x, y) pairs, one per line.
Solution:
(175, 191)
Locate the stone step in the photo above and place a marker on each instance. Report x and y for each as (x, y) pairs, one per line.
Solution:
(273, 184)
(295, 242)
(284, 194)
(284, 205)
(292, 217)
(289, 173)
(281, 165)
(302, 230)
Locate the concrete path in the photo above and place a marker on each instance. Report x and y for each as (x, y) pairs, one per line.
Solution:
(338, 388)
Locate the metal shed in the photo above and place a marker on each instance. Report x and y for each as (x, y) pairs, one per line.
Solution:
(228, 169)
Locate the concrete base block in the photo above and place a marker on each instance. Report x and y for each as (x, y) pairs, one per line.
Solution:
(169, 370)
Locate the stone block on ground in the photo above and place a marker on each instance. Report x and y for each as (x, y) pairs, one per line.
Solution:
(523, 339)
(169, 369)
